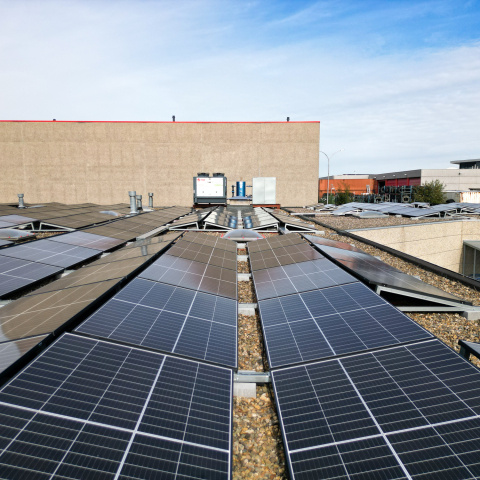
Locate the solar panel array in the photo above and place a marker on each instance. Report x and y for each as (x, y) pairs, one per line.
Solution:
(361, 390)
(177, 305)
(374, 271)
(409, 210)
(403, 412)
(51, 307)
(92, 409)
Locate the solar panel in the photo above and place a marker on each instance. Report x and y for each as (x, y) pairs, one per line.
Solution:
(107, 231)
(205, 254)
(83, 239)
(51, 253)
(12, 351)
(331, 243)
(144, 251)
(193, 275)
(276, 241)
(93, 274)
(332, 321)
(16, 274)
(16, 219)
(213, 241)
(299, 277)
(48, 312)
(376, 272)
(170, 319)
(5, 242)
(402, 412)
(283, 256)
(100, 410)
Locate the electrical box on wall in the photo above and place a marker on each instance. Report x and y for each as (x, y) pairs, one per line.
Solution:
(264, 190)
(208, 189)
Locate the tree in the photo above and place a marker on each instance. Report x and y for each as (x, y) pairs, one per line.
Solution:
(344, 195)
(431, 192)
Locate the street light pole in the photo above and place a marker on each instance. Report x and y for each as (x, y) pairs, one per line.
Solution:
(328, 168)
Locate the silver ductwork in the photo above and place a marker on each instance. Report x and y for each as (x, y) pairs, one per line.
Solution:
(20, 200)
(139, 202)
(133, 202)
(150, 200)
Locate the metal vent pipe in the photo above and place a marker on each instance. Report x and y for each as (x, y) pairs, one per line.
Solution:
(139, 202)
(133, 202)
(150, 200)
(20, 200)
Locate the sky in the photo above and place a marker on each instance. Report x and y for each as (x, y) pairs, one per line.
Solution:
(395, 84)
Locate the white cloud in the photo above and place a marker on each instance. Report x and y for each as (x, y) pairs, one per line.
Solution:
(214, 61)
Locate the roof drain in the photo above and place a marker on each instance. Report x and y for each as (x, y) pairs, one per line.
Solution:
(150, 200)
(139, 202)
(133, 202)
(20, 200)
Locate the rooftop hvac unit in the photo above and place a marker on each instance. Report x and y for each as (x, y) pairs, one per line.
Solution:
(209, 190)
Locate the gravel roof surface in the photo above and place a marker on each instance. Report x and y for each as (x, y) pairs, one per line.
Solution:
(258, 449)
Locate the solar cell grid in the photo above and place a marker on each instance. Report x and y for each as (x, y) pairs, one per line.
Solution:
(300, 277)
(12, 351)
(107, 231)
(145, 251)
(47, 312)
(217, 242)
(89, 240)
(170, 319)
(332, 321)
(51, 253)
(374, 271)
(94, 274)
(271, 242)
(16, 219)
(418, 404)
(102, 410)
(193, 275)
(204, 254)
(23, 274)
(283, 256)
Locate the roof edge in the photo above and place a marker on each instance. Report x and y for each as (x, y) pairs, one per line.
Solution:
(144, 121)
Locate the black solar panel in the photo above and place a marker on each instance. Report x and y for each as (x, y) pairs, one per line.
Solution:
(275, 241)
(332, 321)
(283, 256)
(299, 277)
(213, 241)
(91, 409)
(16, 274)
(193, 275)
(3, 243)
(170, 319)
(413, 407)
(376, 272)
(83, 239)
(51, 253)
(12, 351)
(48, 312)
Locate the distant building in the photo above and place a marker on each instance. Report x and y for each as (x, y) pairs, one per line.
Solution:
(464, 178)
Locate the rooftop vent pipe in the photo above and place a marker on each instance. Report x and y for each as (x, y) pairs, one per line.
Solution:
(288, 119)
(173, 118)
(133, 202)
(139, 202)
(218, 175)
(203, 174)
(150, 200)
(20, 200)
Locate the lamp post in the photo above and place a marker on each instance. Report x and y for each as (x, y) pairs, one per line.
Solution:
(328, 168)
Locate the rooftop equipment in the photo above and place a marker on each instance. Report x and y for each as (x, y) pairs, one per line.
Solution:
(210, 190)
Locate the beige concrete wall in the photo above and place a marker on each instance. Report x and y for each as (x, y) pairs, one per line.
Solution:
(99, 162)
(440, 243)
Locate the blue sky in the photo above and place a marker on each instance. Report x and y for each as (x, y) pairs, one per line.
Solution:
(396, 84)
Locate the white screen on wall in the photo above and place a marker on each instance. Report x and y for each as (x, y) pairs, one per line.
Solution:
(210, 187)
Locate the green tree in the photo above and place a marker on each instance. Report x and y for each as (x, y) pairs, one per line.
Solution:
(431, 192)
(343, 195)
